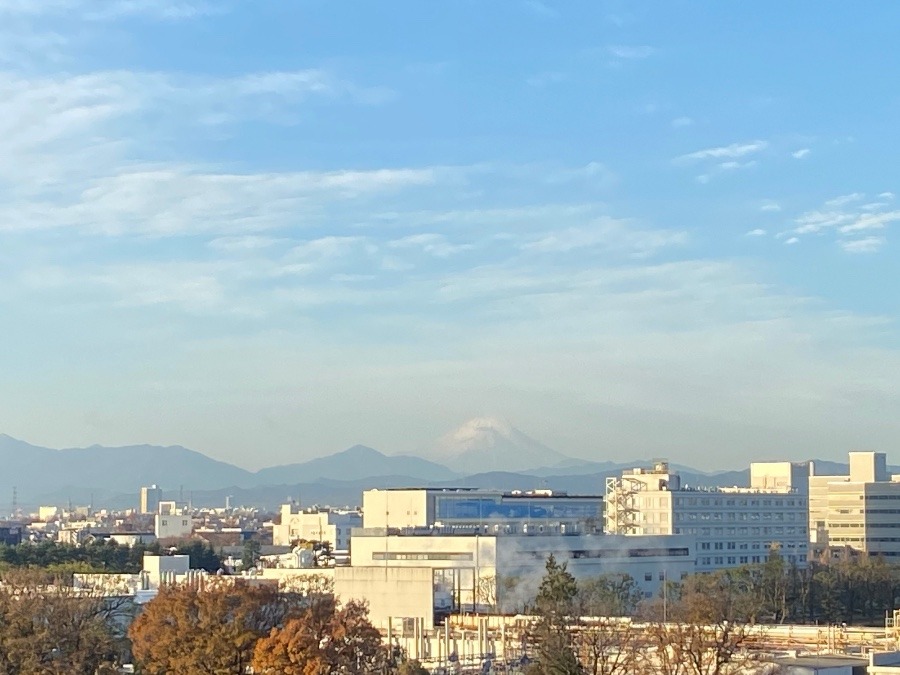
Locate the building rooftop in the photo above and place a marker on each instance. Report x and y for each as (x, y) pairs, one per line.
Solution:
(822, 661)
(509, 494)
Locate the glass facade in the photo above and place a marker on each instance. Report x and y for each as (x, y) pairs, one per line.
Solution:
(456, 508)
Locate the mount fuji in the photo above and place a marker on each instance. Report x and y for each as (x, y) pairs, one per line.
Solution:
(488, 444)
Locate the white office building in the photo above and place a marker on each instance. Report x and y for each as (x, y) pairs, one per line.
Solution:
(860, 510)
(732, 526)
(472, 572)
(484, 511)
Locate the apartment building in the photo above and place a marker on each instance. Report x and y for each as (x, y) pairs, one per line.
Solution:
(334, 526)
(732, 526)
(860, 510)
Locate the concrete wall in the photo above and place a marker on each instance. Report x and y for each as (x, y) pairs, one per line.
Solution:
(780, 476)
(396, 508)
(155, 565)
(868, 467)
(173, 526)
(391, 592)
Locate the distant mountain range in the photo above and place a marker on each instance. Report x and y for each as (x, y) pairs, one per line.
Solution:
(484, 453)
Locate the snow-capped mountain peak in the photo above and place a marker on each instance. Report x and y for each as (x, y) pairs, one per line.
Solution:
(491, 444)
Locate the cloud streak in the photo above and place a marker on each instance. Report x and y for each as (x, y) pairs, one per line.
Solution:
(732, 151)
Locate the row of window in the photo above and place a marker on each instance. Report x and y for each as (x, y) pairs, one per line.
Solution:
(740, 531)
(707, 501)
(738, 560)
(752, 515)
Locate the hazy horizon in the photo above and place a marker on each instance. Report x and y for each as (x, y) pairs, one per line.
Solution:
(270, 231)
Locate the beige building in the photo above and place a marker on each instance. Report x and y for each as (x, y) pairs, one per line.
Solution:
(860, 510)
(733, 526)
(333, 526)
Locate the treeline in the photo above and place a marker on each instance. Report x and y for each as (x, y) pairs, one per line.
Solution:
(854, 589)
(223, 626)
(102, 556)
(701, 625)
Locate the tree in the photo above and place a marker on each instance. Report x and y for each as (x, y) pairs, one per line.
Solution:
(47, 626)
(324, 639)
(554, 606)
(608, 595)
(705, 633)
(608, 646)
(210, 630)
(250, 554)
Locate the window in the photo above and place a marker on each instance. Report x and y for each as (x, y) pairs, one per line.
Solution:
(648, 576)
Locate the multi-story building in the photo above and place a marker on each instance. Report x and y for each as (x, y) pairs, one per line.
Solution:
(11, 533)
(333, 526)
(475, 572)
(150, 498)
(484, 511)
(172, 522)
(733, 526)
(860, 510)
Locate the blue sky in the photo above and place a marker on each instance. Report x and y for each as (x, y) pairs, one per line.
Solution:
(269, 230)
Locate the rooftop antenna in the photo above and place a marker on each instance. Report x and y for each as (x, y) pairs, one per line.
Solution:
(15, 501)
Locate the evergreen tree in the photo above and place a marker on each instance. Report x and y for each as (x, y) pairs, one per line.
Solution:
(554, 606)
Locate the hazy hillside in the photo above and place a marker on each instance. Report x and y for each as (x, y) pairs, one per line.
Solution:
(354, 463)
(113, 476)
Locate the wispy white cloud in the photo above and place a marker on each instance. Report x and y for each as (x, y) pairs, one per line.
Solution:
(732, 151)
(681, 122)
(732, 165)
(801, 153)
(792, 240)
(871, 221)
(546, 78)
(770, 205)
(542, 9)
(112, 9)
(865, 245)
(758, 232)
(608, 234)
(630, 52)
(846, 217)
(430, 242)
(843, 200)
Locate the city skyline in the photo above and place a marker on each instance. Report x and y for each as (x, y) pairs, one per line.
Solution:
(272, 231)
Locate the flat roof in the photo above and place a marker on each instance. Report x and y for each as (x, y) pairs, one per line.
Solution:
(822, 661)
(536, 492)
